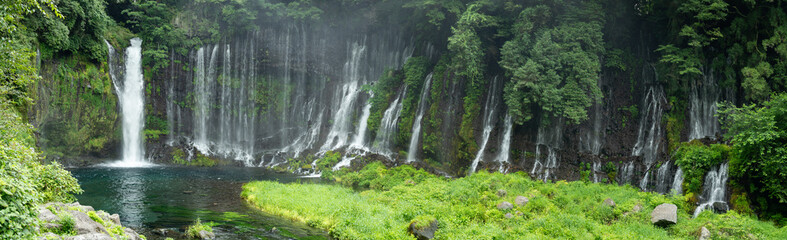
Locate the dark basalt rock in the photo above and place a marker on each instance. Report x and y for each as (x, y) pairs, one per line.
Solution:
(423, 233)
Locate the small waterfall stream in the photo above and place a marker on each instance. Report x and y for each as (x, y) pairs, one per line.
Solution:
(388, 126)
(704, 95)
(341, 129)
(489, 123)
(548, 142)
(714, 190)
(359, 141)
(132, 102)
(415, 137)
(663, 178)
(650, 130)
(677, 182)
(505, 144)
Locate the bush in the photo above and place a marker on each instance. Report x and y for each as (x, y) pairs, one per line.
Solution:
(696, 159)
(198, 226)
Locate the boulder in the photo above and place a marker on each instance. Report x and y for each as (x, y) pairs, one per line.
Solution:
(131, 234)
(521, 200)
(501, 193)
(91, 236)
(509, 215)
(704, 234)
(664, 215)
(609, 202)
(505, 205)
(115, 218)
(637, 208)
(205, 235)
(45, 215)
(84, 224)
(423, 233)
(720, 207)
(80, 207)
(161, 231)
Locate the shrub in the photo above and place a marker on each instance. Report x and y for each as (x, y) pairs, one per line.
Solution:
(697, 159)
(198, 226)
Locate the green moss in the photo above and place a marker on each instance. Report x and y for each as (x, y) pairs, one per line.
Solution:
(198, 226)
(179, 157)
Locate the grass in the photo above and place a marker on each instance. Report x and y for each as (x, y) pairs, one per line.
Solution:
(465, 208)
(198, 226)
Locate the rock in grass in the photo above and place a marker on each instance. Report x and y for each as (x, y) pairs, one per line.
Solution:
(49, 236)
(521, 200)
(205, 235)
(423, 232)
(501, 193)
(637, 208)
(664, 215)
(704, 234)
(505, 205)
(509, 215)
(609, 202)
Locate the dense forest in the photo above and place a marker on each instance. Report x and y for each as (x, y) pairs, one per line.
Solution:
(663, 95)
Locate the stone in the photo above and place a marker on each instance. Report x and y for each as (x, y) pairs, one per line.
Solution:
(205, 235)
(501, 193)
(51, 226)
(424, 233)
(115, 218)
(49, 236)
(85, 225)
(509, 215)
(91, 236)
(637, 208)
(521, 200)
(704, 234)
(518, 213)
(80, 207)
(609, 202)
(274, 230)
(505, 205)
(45, 215)
(664, 215)
(131, 234)
(161, 231)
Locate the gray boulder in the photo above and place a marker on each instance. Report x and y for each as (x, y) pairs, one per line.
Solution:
(509, 215)
(205, 235)
(505, 205)
(91, 236)
(704, 234)
(664, 215)
(521, 200)
(85, 225)
(45, 215)
(501, 193)
(423, 233)
(609, 202)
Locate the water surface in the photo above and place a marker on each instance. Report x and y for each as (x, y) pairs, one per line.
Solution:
(174, 197)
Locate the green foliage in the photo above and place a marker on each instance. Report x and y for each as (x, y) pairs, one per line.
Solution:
(81, 31)
(179, 157)
(193, 230)
(154, 127)
(376, 176)
(466, 209)
(696, 160)
(326, 162)
(758, 135)
(553, 61)
(414, 78)
(384, 90)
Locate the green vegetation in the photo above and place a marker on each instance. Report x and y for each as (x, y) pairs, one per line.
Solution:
(466, 208)
(759, 164)
(194, 229)
(179, 157)
(696, 160)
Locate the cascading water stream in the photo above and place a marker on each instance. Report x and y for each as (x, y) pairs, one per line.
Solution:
(505, 145)
(704, 95)
(342, 119)
(359, 141)
(650, 131)
(416, 134)
(549, 139)
(714, 190)
(677, 182)
(388, 126)
(663, 178)
(489, 123)
(132, 103)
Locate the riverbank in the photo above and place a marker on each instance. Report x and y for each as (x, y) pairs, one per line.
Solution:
(489, 206)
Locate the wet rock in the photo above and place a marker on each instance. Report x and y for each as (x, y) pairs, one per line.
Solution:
(501, 193)
(509, 215)
(720, 207)
(161, 231)
(205, 235)
(521, 200)
(505, 206)
(609, 202)
(704, 234)
(664, 215)
(423, 233)
(91, 236)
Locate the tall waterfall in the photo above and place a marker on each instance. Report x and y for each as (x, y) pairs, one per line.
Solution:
(132, 102)
(341, 129)
(704, 95)
(591, 138)
(714, 190)
(650, 130)
(490, 108)
(416, 134)
(388, 126)
(505, 144)
(547, 143)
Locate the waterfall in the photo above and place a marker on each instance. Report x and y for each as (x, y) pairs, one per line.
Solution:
(489, 123)
(549, 139)
(416, 133)
(650, 130)
(596, 170)
(132, 103)
(702, 112)
(342, 119)
(388, 126)
(592, 139)
(714, 190)
(505, 144)
(360, 136)
(626, 173)
(171, 102)
(663, 177)
(677, 182)
(204, 78)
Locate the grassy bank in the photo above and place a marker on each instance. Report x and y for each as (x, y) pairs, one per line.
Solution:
(466, 208)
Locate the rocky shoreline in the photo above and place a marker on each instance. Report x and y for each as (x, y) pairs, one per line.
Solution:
(73, 221)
